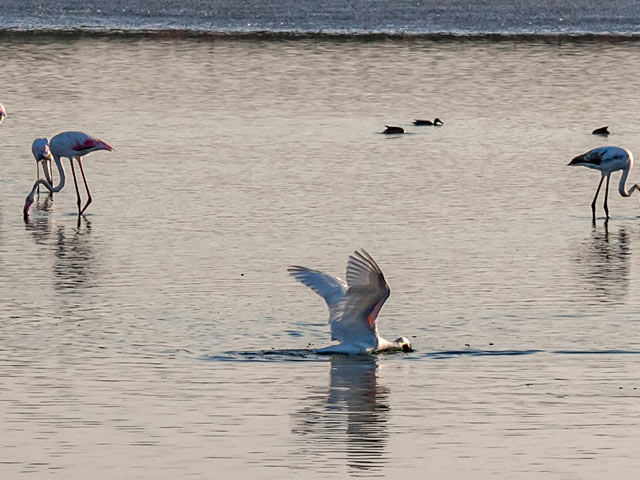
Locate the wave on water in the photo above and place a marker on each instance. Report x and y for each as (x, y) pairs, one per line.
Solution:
(282, 355)
(302, 355)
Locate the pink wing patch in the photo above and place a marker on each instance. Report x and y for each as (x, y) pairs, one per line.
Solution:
(88, 143)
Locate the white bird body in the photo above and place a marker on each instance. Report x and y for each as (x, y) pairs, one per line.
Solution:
(71, 145)
(353, 305)
(608, 160)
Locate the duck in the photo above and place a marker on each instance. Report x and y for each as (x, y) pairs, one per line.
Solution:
(391, 129)
(601, 131)
(436, 123)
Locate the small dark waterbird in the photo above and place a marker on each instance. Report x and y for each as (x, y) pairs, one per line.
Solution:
(436, 123)
(601, 131)
(608, 160)
(391, 130)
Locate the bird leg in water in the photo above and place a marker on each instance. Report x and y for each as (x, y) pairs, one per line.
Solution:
(75, 181)
(593, 204)
(606, 196)
(86, 186)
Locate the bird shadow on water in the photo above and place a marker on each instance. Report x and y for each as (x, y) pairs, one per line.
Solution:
(74, 259)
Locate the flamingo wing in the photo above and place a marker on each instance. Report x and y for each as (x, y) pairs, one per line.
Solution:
(331, 288)
(607, 159)
(354, 318)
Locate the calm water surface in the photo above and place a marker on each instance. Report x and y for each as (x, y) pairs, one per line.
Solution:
(162, 337)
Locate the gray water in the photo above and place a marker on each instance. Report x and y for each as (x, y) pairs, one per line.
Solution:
(399, 17)
(162, 338)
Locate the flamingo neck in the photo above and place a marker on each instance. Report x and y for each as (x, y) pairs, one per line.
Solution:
(623, 180)
(46, 184)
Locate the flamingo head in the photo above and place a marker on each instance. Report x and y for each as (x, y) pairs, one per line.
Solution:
(404, 344)
(40, 149)
(27, 205)
(3, 113)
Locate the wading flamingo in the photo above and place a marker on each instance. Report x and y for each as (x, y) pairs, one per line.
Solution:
(353, 305)
(72, 145)
(608, 160)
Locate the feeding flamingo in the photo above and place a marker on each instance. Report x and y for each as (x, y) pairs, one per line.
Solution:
(608, 160)
(72, 145)
(353, 306)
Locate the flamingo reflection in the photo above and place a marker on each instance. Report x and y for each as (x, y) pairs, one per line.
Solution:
(604, 263)
(74, 260)
(348, 419)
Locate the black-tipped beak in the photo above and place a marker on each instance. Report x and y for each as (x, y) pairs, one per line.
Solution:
(406, 348)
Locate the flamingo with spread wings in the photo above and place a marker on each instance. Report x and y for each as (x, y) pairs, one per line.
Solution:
(354, 305)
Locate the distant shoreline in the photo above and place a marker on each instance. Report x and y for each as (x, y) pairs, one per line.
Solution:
(288, 35)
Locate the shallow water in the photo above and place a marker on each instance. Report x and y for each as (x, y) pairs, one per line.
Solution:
(163, 338)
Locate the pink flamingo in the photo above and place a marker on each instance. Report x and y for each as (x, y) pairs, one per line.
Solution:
(72, 145)
(3, 113)
(608, 160)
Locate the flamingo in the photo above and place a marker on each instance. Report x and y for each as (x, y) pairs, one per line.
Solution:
(437, 122)
(3, 113)
(353, 305)
(608, 160)
(42, 154)
(72, 145)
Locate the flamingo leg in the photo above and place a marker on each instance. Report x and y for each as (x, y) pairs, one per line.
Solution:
(86, 186)
(38, 173)
(593, 204)
(606, 196)
(75, 181)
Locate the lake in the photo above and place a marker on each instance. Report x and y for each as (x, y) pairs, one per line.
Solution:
(161, 337)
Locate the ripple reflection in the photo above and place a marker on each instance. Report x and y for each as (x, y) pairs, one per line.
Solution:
(349, 418)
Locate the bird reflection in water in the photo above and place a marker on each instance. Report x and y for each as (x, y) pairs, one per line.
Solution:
(74, 261)
(351, 416)
(604, 263)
